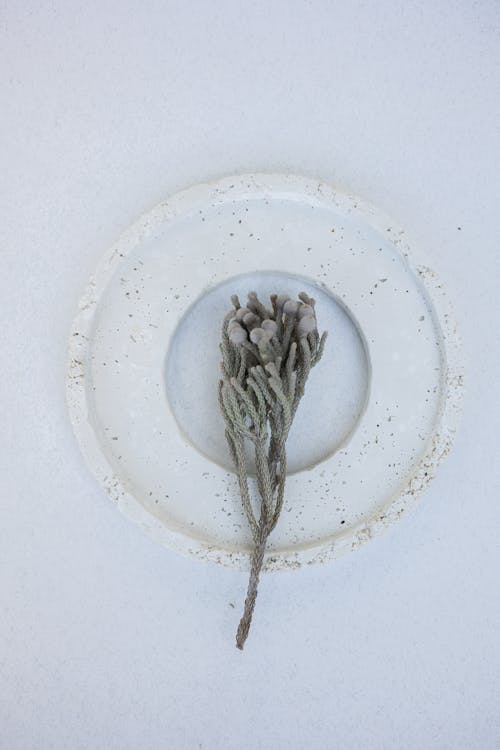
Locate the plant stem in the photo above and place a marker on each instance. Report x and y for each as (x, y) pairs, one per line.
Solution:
(253, 583)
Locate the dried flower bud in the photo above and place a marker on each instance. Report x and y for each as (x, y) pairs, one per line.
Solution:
(306, 299)
(291, 307)
(306, 311)
(281, 299)
(251, 320)
(240, 314)
(255, 335)
(237, 334)
(269, 325)
(257, 307)
(265, 350)
(307, 324)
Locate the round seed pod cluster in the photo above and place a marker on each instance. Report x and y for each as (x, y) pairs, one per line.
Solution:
(267, 334)
(267, 354)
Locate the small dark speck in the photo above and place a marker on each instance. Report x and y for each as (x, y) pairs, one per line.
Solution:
(231, 605)
(342, 522)
(459, 229)
(115, 437)
(231, 234)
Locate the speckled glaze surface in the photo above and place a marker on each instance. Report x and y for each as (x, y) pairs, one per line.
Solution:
(146, 422)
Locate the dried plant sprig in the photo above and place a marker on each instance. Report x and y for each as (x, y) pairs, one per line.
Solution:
(267, 355)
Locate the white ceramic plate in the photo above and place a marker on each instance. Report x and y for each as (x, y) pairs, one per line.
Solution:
(380, 409)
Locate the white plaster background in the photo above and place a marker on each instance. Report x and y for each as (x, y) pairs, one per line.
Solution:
(109, 640)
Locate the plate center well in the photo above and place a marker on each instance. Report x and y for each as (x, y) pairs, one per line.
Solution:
(336, 391)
